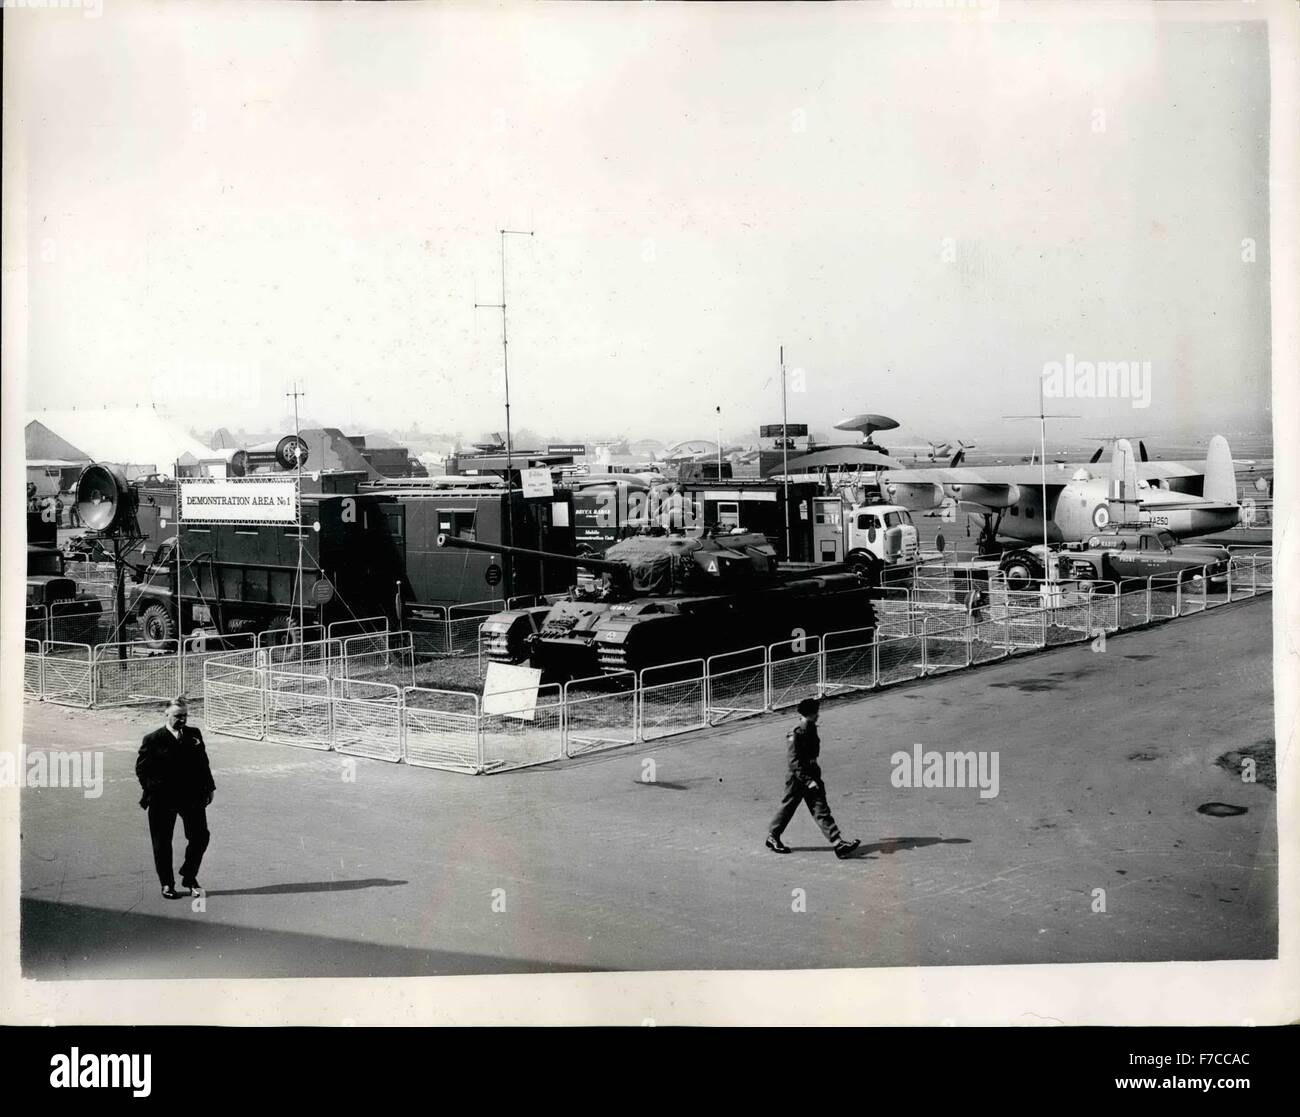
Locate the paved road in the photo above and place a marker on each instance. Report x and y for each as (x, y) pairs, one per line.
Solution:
(1104, 758)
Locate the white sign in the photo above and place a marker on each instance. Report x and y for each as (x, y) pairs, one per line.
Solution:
(511, 690)
(537, 482)
(238, 500)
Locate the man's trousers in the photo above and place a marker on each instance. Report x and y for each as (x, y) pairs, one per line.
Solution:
(162, 824)
(796, 792)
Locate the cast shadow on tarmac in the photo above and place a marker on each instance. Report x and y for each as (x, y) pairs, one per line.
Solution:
(68, 942)
(307, 886)
(884, 846)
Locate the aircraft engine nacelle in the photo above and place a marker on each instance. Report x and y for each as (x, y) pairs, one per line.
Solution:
(915, 494)
(991, 496)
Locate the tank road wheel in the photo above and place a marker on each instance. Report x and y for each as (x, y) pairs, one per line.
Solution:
(157, 625)
(866, 566)
(1021, 570)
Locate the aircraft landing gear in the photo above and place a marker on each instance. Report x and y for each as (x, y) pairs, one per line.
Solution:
(987, 543)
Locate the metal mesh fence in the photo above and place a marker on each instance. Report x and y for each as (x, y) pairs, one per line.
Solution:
(68, 675)
(737, 685)
(366, 719)
(947, 646)
(441, 729)
(196, 652)
(675, 706)
(522, 727)
(133, 672)
(1164, 592)
(387, 657)
(33, 669)
(232, 696)
(297, 709)
(794, 672)
(599, 713)
(846, 669)
(899, 658)
(72, 623)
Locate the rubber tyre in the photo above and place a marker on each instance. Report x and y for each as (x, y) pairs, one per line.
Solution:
(157, 625)
(867, 567)
(1021, 571)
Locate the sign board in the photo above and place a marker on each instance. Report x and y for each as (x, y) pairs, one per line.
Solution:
(238, 500)
(577, 450)
(536, 483)
(492, 575)
(511, 690)
(322, 592)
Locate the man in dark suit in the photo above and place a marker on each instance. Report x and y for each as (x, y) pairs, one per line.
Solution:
(173, 770)
(803, 784)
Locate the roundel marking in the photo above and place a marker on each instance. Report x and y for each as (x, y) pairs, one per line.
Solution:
(1100, 516)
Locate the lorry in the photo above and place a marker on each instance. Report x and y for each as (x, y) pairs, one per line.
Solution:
(1119, 553)
(870, 538)
(74, 616)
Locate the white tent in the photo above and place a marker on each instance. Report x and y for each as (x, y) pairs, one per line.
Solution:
(136, 439)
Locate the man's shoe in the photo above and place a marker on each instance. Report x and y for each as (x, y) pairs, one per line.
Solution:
(776, 845)
(169, 893)
(196, 889)
(843, 849)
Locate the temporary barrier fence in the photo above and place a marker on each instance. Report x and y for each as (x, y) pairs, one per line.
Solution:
(737, 684)
(440, 729)
(794, 671)
(521, 728)
(673, 699)
(599, 713)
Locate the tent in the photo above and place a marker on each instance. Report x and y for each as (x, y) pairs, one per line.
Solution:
(136, 439)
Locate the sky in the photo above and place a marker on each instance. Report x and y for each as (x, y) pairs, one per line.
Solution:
(925, 209)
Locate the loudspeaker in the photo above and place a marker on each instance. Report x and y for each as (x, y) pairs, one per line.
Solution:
(105, 502)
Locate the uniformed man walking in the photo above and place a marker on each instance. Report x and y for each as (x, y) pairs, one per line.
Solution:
(174, 773)
(803, 784)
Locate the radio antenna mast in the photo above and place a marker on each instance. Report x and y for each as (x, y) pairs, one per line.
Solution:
(785, 457)
(295, 395)
(505, 370)
(1049, 567)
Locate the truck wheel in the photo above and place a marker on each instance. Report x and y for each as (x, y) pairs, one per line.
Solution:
(866, 566)
(1021, 571)
(157, 625)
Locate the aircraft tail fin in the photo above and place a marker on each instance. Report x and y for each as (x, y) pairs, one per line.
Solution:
(1123, 496)
(1220, 473)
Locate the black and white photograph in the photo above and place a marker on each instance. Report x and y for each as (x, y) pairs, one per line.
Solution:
(635, 502)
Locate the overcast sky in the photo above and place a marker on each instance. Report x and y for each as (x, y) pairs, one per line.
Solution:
(925, 212)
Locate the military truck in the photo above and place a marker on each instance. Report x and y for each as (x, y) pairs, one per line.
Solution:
(74, 615)
(1121, 552)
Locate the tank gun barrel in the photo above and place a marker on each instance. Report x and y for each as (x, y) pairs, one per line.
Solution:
(455, 542)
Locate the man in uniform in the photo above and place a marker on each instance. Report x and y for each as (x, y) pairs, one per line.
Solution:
(803, 784)
(173, 770)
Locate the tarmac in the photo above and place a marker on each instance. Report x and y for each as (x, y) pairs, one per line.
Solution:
(1092, 850)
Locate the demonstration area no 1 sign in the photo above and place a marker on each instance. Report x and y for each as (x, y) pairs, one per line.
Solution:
(237, 500)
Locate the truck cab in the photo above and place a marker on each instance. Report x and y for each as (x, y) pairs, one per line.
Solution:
(877, 536)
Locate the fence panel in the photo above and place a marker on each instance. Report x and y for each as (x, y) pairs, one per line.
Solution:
(71, 623)
(1131, 607)
(68, 673)
(382, 657)
(322, 657)
(1195, 597)
(132, 672)
(851, 668)
(38, 623)
(297, 709)
(1164, 594)
(599, 713)
(899, 658)
(366, 719)
(284, 637)
(677, 705)
(356, 625)
(526, 727)
(233, 696)
(946, 647)
(794, 672)
(737, 684)
(440, 729)
(33, 669)
(196, 651)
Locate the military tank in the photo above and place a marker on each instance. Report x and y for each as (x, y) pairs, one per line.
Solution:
(663, 598)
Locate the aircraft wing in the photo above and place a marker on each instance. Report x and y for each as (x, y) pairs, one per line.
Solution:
(1148, 471)
(982, 475)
